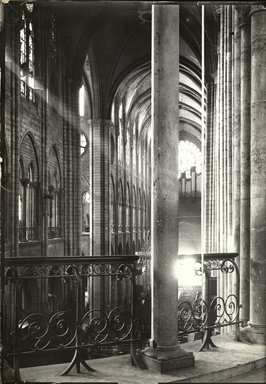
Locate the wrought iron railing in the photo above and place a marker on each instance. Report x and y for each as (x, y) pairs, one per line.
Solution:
(212, 312)
(62, 304)
(89, 305)
(203, 312)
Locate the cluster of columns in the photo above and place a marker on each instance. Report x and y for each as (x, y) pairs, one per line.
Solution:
(99, 168)
(219, 151)
(219, 140)
(250, 135)
(258, 174)
(238, 215)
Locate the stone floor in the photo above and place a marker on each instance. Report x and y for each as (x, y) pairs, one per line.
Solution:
(229, 360)
(255, 376)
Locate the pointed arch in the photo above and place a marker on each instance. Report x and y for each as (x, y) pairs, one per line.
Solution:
(29, 153)
(55, 193)
(29, 189)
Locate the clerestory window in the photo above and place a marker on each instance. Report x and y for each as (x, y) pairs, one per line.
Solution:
(83, 143)
(86, 212)
(27, 56)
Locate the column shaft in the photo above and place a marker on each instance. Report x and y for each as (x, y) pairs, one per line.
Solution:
(221, 228)
(245, 167)
(258, 174)
(164, 354)
(236, 133)
(100, 185)
(165, 115)
(229, 128)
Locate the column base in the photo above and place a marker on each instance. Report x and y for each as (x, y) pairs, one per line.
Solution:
(165, 361)
(253, 333)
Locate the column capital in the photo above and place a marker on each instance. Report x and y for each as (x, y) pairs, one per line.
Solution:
(257, 8)
(244, 16)
(25, 182)
(99, 121)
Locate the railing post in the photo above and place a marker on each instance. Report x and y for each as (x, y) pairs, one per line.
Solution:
(206, 339)
(78, 357)
(17, 284)
(237, 325)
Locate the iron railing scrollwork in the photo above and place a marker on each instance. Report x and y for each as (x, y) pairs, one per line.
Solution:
(70, 306)
(205, 313)
(210, 313)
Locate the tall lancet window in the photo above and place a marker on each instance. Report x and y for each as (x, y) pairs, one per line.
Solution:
(31, 205)
(86, 201)
(27, 56)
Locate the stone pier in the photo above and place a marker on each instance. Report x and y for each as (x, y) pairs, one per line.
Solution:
(245, 162)
(164, 353)
(256, 330)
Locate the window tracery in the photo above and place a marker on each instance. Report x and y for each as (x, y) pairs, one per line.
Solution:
(27, 57)
(189, 156)
(54, 196)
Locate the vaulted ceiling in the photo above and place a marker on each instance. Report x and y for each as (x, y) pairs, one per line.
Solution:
(115, 39)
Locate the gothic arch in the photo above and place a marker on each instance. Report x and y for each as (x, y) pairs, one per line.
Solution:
(29, 153)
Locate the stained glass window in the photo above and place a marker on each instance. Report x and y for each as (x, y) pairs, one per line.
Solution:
(82, 100)
(189, 156)
(27, 57)
(86, 212)
(83, 143)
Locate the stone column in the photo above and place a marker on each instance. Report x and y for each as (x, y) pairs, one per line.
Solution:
(44, 149)
(209, 166)
(164, 353)
(236, 132)
(256, 331)
(67, 170)
(99, 142)
(71, 159)
(99, 130)
(236, 139)
(229, 128)
(245, 162)
(76, 191)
